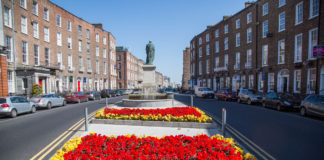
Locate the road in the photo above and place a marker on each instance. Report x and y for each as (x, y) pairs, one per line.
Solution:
(285, 135)
(24, 136)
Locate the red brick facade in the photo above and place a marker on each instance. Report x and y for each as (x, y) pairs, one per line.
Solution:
(3, 76)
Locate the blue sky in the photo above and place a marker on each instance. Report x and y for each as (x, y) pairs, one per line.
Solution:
(169, 24)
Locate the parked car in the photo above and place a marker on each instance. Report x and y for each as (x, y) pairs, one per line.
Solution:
(312, 105)
(12, 106)
(226, 94)
(77, 97)
(249, 96)
(136, 91)
(107, 93)
(93, 95)
(119, 92)
(204, 92)
(280, 101)
(49, 101)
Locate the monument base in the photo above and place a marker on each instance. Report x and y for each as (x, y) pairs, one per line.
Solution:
(149, 85)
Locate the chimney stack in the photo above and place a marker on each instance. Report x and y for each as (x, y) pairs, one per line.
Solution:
(247, 4)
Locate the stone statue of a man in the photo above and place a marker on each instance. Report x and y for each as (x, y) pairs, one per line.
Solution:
(150, 53)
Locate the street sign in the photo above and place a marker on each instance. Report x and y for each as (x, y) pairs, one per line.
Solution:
(188, 81)
(194, 81)
(318, 51)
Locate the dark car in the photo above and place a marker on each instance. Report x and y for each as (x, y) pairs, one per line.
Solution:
(94, 95)
(226, 94)
(107, 93)
(119, 92)
(280, 101)
(76, 97)
(249, 96)
(312, 105)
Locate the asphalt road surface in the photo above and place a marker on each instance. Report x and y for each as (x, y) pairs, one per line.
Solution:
(284, 135)
(24, 136)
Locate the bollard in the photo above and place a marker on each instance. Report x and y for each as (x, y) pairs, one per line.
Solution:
(106, 102)
(223, 120)
(191, 100)
(86, 118)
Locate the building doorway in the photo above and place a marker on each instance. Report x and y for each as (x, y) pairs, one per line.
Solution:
(321, 91)
(79, 86)
(283, 81)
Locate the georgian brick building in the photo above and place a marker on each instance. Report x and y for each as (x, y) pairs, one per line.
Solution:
(50, 46)
(267, 46)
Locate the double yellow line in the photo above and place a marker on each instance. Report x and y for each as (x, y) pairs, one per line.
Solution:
(50, 147)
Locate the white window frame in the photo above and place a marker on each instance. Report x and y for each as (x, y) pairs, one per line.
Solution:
(97, 67)
(311, 9)
(59, 59)
(295, 81)
(69, 25)
(207, 66)
(35, 8)
(24, 24)
(58, 20)
(217, 62)
(237, 60)
(226, 29)
(8, 44)
(70, 62)
(298, 13)
(265, 28)
(226, 60)
(46, 14)
(97, 37)
(217, 33)
(69, 42)
(35, 30)
(217, 47)
(59, 38)
(7, 16)
(200, 40)
(207, 37)
(309, 81)
(36, 55)
(251, 81)
(200, 51)
(226, 43)
(88, 33)
(249, 35)
(80, 45)
(104, 51)
(271, 77)
(248, 58)
(88, 47)
(97, 51)
(282, 21)
(89, 64)
(105, 68)
(237, 24)
(22, 53)
(23, 4)
(237, 40)
(249, 18)
(265, 55)
(281, 3)
(46, 34)
(265, 9)
(310, 44)
(49, 56)
(296, 54)
(200, 68)
(260, 82)
(280, 53)
(79, 30)
(207, 49)
(104, 40)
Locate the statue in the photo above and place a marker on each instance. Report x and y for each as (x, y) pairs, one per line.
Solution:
(150, 53)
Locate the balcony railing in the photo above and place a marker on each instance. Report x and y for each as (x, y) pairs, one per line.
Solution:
(71, 69)
(81, 69)
(89, 70)
(224, 68)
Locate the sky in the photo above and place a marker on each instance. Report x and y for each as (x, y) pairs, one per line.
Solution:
(169, 24)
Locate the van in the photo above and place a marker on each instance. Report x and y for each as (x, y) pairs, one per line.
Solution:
(204, 92)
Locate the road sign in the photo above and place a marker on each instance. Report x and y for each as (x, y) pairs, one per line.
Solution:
(318, 51)
(188, 81)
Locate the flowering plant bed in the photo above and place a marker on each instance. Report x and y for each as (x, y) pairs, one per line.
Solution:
(177, 114)
(96, 146)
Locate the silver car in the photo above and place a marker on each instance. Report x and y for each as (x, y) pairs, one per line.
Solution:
(12, 106)
(48, 101)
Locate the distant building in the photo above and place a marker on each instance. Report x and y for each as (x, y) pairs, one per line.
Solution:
(186, 69)
(159, 79)
(167, 81)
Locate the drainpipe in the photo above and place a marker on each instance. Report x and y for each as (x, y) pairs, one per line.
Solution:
(318, 70)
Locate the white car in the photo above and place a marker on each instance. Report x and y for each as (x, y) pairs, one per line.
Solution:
(204, 92)
(12, 106)
(48, 101)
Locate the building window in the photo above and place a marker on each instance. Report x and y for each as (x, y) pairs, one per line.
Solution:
(299, 13)
(23, 21)
(69, 25)
(313, 40)
(9, 48)
(89, 64)
(282, 3)
(298, 48)
(217, 33)
(97, 51)
(23, 4)
(24, 50)
(104, 52)
(243, 81)
(248, 58)
(59, 59)
(104, 40)
(11, 86)
(207, 66)
(249, 35)
(200, 67)
(237, 61)
(265, 9)
(47, 57)
(59, 39)
(97, 67)
(311, 81)
(58, 20)
(226, 60)
(226, 43)
(46, 14)
(314, 8)
(35, 8)
(217, 46)
(36, 55)
(88, 47)
(207, 49)
(105, 68)
(282, 21)
(237, 23)
(70, 64)
(35, 29)
(238, 39)
(217, 62)
(200, 52)
(97, 37)
(228, 82)
(88, 33)
(119, 65)
(265, 55)
(251, 81)
(69, 42)
(297, 81)
(200, 40)
(249, 18)
(281, 51)
(80, 46)
(207, 37)
(260, 81)
(80, 63)
(80, 30)
(7, 17)
(271, 83)
(265, 29)
(46, 34)
(226, 29)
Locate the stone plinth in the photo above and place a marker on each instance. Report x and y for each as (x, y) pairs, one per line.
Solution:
(149, 85)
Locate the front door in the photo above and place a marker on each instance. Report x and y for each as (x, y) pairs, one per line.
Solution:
(79, 86)
(285, 84)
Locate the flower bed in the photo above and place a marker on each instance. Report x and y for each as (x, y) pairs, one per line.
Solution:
(177, 114)
(96, 146)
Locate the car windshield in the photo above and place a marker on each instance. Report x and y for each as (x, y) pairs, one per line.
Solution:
(3, 100)
(46, 96)
(207, 89)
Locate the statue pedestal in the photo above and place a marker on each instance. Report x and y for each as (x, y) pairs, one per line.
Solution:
(149, 85)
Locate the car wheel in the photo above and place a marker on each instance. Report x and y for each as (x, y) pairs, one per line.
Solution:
(264, 104)
(33, 109)
(238, 100)
(249, 102)
(303, 111)
(87, 99)
(64, 103)
(49, 105)
(79, 100)
(13, 113)
(278, 107)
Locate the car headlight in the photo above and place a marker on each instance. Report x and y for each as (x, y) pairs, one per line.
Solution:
(287, 103)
